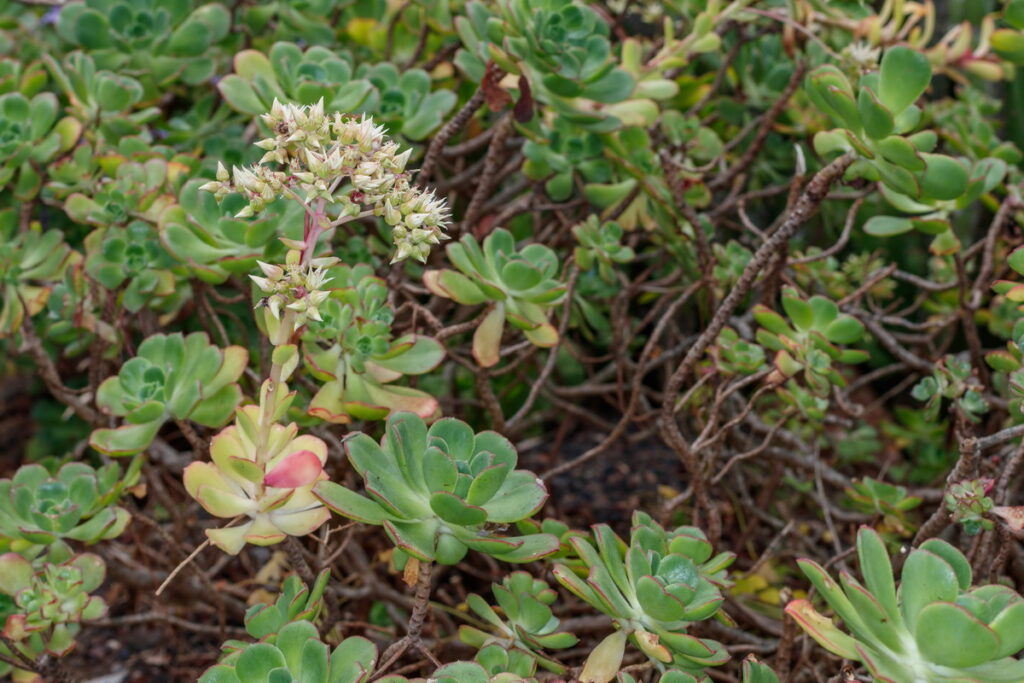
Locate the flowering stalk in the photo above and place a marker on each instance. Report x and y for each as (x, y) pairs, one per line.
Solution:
(335, 166)
(261, 469)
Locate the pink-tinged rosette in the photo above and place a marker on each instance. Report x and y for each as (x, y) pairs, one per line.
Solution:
(276, 496)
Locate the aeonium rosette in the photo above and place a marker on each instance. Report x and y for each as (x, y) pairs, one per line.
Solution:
(271, 487)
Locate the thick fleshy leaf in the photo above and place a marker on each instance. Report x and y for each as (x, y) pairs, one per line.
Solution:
(125, 440)
(487, 338)
(887, 226)
(905, 75)
(349, 503)
(944, 177)
(949, 635)
(454, 510)
(877, 570)
(926, 578)
(822, 629)
(605, 659)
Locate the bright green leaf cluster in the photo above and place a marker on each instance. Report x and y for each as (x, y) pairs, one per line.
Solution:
(528, 626)
(969, 504)
(921, 630)
(171, 377)
(520, 285)
(51, 603)
(441, 492)
(600, 246)
(810, 344)
(352, 350)
(31, 262)
(75, 504)
(876, 122)
(653, 589)
(953, 379)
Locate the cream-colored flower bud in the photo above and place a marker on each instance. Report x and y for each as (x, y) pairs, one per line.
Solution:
(421, 236)
(415, 220)
(325, 262)
(402, 159)
(392, 216)
(316, 112)
(274, 304)
(222, 173)
(277, 110)
(263, 283)
(270, 270)
(402, 252)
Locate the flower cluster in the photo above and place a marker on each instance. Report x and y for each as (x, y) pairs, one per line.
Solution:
(295, 286)
(343, 161)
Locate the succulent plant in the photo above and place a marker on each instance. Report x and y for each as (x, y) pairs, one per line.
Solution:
(31, 136)
(160, 40)
(492, 664)
(731, 259)
(206, 235)
(133, 256)
(876, 121)
(295, 602)
(31, 262)
(403, 101)
(528, 625)
(442, 491)
(562, 48)
(953, 379)
(919, 631)
(298, 654)
(171, 377)
(589, 313)
(270, 488)
(677, 676)
(639, 190)
(77, 503)
(932, 216)
(652, 589)
(968, 503)
(520, 285)
(756, 672)
(102, 98)
(734, 355)
(810, 345)
(1014, 292)
(352, 351)
(562, 155)
(892, 502)
(289, 74)
(27, 78)
(73, 316)
(809, 406)
(294, 20)
(135, 190)
(503, 665)
(600, 246)
(50, 604)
